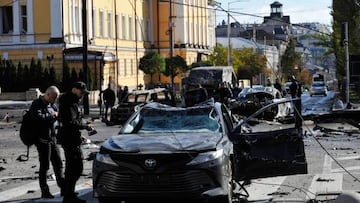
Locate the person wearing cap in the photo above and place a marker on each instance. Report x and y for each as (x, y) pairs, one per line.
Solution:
(69, 133)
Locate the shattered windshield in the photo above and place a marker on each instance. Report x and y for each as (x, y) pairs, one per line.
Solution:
(151, 120)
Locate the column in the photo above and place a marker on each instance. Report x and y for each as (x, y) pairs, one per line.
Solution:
(16, 26)
(30, 21)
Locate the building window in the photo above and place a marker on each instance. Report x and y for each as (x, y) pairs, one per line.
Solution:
(23, 26)
(131, 28)
(131, 66)
(147, 30)
(101, 16)
(125, 71)
(109, 25)
(94, 22)
(140, 30)
(123, 21)
(117, 26)
(77, 20)
(7, 25)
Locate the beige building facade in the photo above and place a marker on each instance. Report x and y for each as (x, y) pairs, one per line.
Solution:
(119, 33)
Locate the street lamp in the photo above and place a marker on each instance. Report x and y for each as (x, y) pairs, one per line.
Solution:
(229, 30)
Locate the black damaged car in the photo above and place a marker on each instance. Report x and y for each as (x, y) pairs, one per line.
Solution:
(166, 152)
(194, 153)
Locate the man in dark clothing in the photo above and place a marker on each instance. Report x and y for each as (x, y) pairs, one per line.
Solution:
(278, 86)
(109, 100)
(71, 123)
(120, 94)
(293, 87)
(295, 91)
(44, 113)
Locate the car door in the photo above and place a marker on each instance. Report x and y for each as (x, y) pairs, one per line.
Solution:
(263, 149)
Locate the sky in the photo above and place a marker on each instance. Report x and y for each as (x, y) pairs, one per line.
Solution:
(300, 11)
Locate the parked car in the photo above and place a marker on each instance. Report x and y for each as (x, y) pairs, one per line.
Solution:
(192, 153)
(318, 88)
(135, 99)
(165, 152)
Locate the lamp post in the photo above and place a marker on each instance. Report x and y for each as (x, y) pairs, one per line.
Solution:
(229, 31)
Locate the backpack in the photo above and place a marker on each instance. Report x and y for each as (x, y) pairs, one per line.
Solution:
(27, 133)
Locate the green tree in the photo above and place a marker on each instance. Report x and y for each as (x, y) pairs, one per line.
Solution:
(219, 55)
(27, 77)
(175, 66)
(52, 76)
(152, 63)
(289, 60)
(32, 70)
(20, 83)
(66, 81)
(247, 63)
(345, 11)
(38, 80)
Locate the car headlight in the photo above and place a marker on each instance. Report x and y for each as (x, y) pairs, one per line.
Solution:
(206, 157)
(105, 158)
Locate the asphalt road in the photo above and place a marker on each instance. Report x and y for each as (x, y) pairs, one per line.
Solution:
(333, 164)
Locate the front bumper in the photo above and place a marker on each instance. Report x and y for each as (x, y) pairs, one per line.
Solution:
(173, 180)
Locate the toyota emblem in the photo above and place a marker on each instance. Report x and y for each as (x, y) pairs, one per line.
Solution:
(150, 163)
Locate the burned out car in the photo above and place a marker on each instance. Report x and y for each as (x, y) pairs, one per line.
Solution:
(168, 153)
(135, 99)
(217, 80)
(257, 98)
(193, 153)
(267, 149)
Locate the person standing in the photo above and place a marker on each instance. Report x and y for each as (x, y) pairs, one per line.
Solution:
(278, 86)
(71, 122)
(120, 94)
(109, 100)
(44, 113)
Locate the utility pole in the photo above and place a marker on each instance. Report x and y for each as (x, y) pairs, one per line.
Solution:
(171, 24)
(228, 36)
(346, 47)
(85, 57)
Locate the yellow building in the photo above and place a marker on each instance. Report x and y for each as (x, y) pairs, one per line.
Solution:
(119, 33)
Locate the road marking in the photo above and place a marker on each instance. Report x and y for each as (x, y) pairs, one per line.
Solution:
(260, 189)
(325, 183)
(327, 164)
(350, 168)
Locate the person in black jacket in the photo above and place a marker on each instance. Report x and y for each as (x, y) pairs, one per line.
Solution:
(109, 100)
(44, 113)
(71, 122)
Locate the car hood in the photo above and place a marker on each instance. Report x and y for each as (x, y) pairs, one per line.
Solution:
(163, 142)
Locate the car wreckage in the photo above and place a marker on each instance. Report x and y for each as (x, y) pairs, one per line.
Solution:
(198, 152)
(135, 99)
(255, 99)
